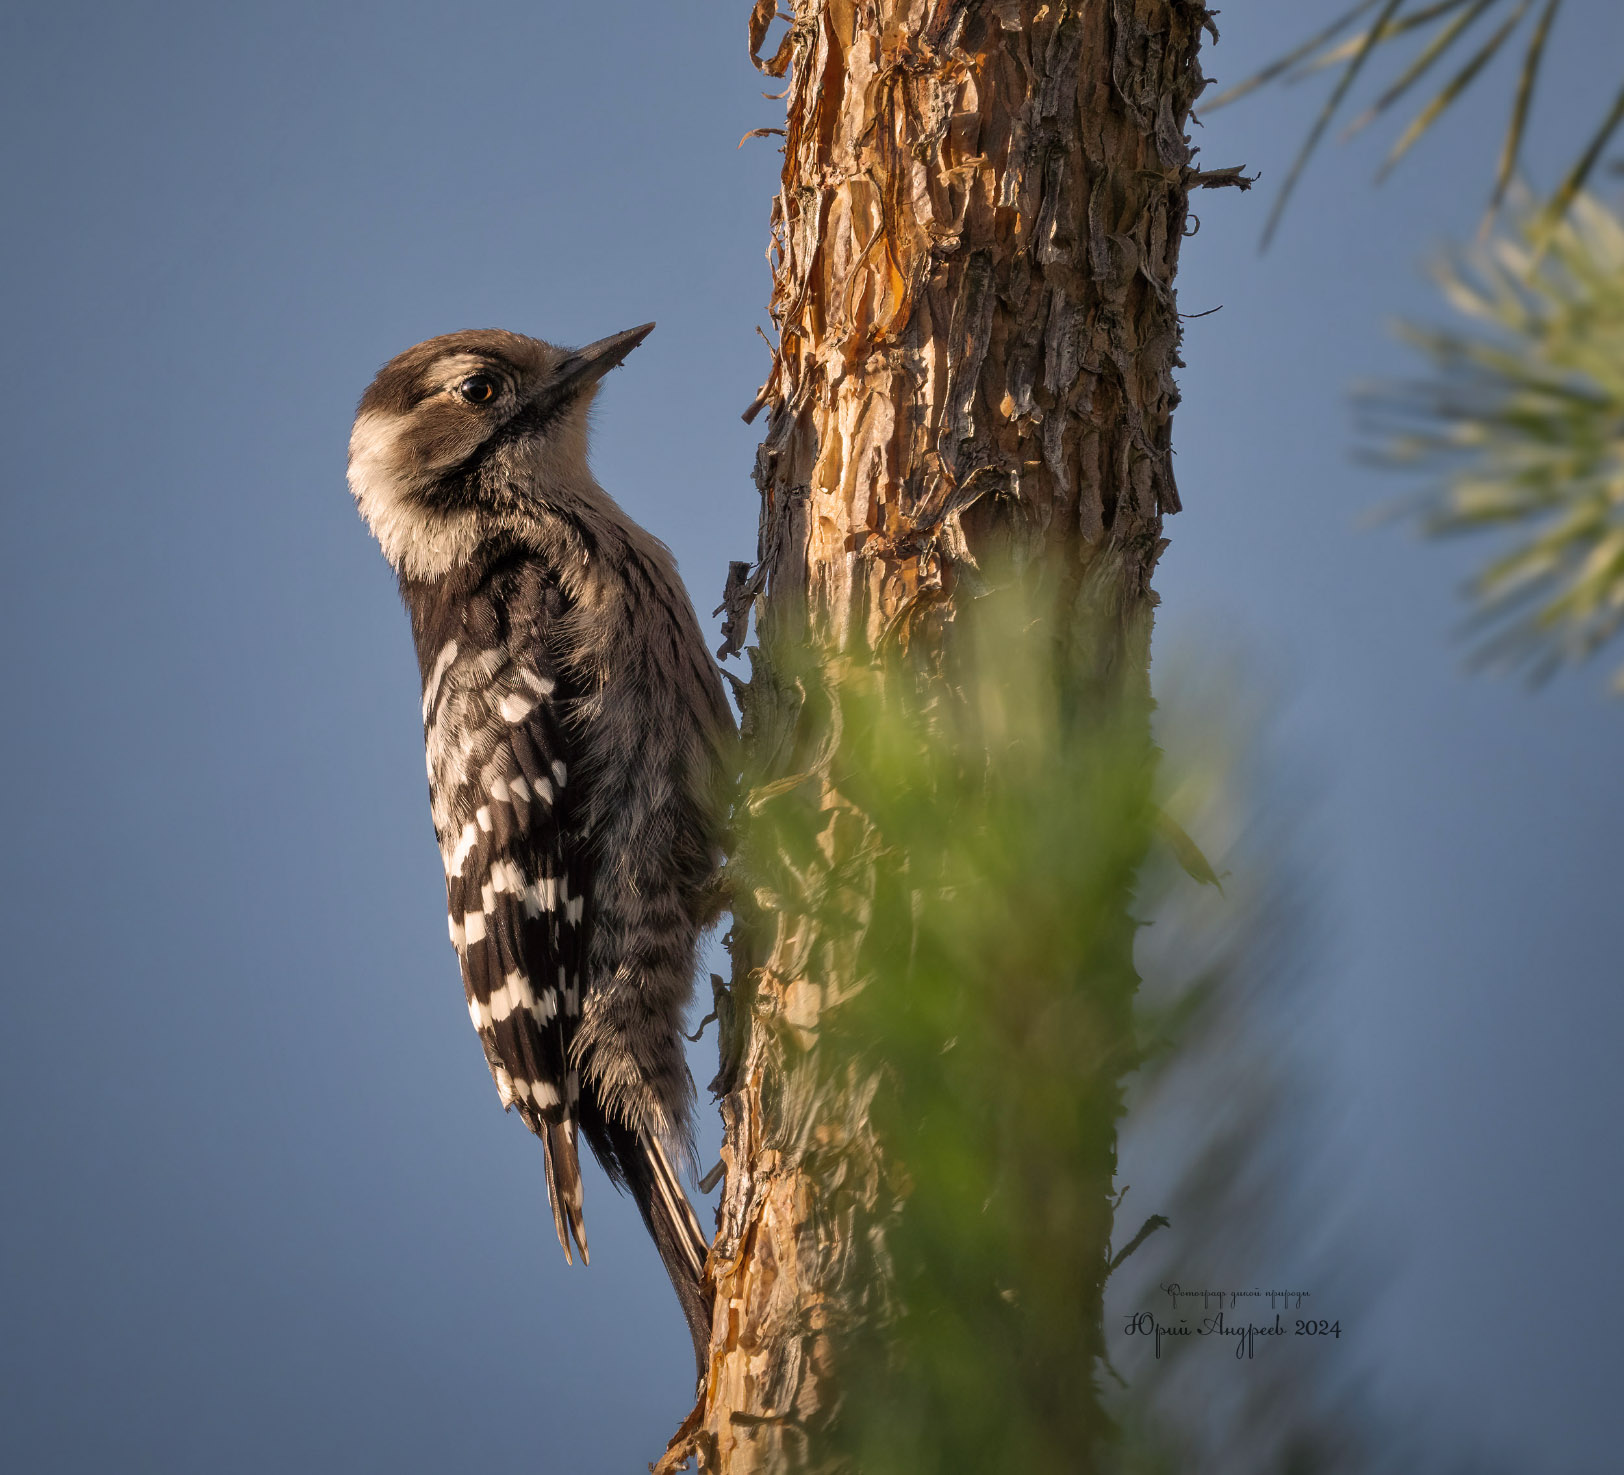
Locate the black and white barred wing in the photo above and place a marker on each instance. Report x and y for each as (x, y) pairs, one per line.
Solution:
(499, 785)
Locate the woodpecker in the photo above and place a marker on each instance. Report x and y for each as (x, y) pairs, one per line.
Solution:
(578, 748)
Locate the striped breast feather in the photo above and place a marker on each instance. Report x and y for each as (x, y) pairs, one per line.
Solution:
(516, 903)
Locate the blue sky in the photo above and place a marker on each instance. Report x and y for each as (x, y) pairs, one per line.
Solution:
(263, 1211)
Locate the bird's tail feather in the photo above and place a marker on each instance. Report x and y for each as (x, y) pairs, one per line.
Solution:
(674, 1202)
(637, 1161)
(564, 1186)
(674, 1227)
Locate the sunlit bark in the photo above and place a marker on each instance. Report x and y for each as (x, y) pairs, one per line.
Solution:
(974, 249)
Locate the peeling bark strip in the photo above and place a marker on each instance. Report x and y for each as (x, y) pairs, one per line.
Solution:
(974, 248)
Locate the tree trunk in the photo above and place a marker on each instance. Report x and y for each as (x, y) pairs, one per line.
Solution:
(974, 247)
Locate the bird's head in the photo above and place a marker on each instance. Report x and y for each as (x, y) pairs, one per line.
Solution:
(441, 415)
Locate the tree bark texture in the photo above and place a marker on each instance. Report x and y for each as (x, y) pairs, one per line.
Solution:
(974, 249)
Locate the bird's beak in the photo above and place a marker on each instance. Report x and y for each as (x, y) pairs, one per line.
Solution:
(587, 365)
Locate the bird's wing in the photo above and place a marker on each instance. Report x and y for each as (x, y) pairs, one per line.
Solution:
(517, 905)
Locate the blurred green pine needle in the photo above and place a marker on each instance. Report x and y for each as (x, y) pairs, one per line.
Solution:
(968, 864)
(1521, 424)
(1446, 43)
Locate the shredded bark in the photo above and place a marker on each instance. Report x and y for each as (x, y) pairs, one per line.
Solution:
(974, 249)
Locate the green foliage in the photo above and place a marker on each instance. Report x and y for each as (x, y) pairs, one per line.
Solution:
(1449, 45)
(1522, 426)
(968, 858)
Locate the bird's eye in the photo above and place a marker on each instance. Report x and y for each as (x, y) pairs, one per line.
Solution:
(478, 389)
